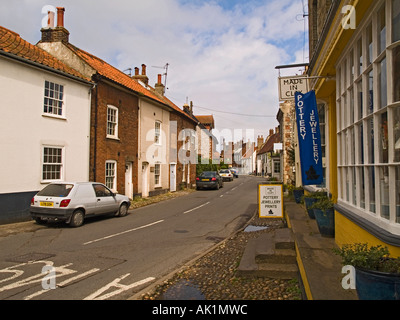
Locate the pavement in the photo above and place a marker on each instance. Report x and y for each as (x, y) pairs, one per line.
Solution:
(320, 268)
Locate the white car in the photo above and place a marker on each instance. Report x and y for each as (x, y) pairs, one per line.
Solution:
(226, 174)
(72, 202)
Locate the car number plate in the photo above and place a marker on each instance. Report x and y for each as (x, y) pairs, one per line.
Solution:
(205, 180)
(46, 204)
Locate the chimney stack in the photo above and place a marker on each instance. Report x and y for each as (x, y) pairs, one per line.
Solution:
(191, 108)
(57, 34)
(143, 77)
(159, 87)
(186, 108)
(260, 141)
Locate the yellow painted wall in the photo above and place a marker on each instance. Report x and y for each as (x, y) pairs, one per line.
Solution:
(348, 232)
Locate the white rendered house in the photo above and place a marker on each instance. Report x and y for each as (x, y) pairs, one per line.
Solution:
(44, 124)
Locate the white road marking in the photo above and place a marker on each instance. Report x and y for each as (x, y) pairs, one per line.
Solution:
(121, 288)
(123, 232)
(197, 207)
(62, 284)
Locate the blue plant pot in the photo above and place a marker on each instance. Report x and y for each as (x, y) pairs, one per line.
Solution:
(375, 285)
(298, 194)
(309, 202)
(326, 222)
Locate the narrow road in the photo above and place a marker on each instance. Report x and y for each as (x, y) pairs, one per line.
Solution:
(112, 258)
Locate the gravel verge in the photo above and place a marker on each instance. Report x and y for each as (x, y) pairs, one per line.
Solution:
(213, 276)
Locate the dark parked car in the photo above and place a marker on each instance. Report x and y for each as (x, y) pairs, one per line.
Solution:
(235, 172)
(73, 202)
(209, 180)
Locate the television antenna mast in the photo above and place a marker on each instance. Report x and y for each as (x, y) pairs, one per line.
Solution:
(165, 74)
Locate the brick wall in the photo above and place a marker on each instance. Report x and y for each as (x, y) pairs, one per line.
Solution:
(318, 14)
(122, 150)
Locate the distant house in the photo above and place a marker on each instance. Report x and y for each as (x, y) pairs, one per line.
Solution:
(207, 142)
(269, 161)
(44, 123)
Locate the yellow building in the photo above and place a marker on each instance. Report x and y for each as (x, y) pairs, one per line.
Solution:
(355, 71)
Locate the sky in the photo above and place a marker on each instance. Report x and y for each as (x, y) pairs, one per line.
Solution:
(221, 54)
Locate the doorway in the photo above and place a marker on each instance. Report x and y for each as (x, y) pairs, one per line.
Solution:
(172, 177)
(145, 180)
(128, 180)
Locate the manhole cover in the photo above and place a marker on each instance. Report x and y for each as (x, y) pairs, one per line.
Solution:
(181, 231)
(34, 256)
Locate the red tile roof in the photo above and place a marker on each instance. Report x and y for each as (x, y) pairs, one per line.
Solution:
(269, 144)
(12, 43)
(105, 69)
(112, 73)
(207, 121)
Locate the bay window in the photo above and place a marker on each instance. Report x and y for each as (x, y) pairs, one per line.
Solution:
(368, 124)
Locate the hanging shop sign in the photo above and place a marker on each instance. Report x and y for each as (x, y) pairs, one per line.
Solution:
(288, 86)
(309, 137)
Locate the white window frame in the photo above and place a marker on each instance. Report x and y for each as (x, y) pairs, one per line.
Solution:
(157, 175)
(52, 99)
(157, 133)
(50, 162)
(111, 175)
(113, 121)
(368, 195)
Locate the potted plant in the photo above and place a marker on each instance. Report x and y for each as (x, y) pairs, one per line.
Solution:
(298, 193)
(377, 274)
(325, 216)
(310, 199)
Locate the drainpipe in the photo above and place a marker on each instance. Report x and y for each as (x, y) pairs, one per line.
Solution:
(96, 78)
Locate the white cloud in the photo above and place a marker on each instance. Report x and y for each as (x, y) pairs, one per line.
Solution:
(220, 59)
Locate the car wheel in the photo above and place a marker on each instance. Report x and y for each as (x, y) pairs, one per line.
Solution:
(77, 219)
(123, 210)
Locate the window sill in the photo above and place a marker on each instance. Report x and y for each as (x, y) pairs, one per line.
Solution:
(369, 224)
(50, 181)
(113, 138)
(53, 116)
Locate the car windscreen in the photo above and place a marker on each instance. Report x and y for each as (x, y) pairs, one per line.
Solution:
(225, 171)
(56, 190)
(208, 174)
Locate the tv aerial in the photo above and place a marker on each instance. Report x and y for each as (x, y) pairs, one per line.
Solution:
(165, 74)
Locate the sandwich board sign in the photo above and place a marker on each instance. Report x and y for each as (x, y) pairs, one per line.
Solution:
(270, 200)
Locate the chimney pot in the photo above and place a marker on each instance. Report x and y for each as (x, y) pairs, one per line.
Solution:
(143, 69)
(136, 71)
(50, 20)
(159, 79)
(60, 16)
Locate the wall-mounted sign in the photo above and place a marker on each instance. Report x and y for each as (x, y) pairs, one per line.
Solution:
(270, 200)
(288, 86)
